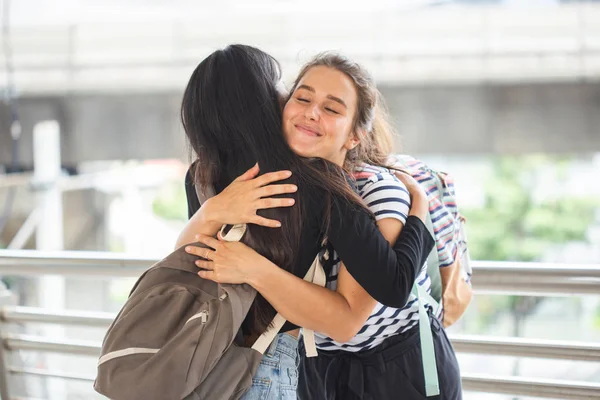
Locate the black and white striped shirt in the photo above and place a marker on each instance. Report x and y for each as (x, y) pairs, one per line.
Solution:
(386, 197)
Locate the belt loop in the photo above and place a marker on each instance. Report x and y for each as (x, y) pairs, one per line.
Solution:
(272, 347)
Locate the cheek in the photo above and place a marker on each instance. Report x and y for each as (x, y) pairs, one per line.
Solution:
(286, 121)
(339, 130)
(289, 111)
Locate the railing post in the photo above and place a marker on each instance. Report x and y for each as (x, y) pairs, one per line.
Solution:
(4, 390)
(5, 385)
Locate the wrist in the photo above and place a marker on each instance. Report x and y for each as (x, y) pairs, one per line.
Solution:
(207, 219)
(208, 212)
(260, 274)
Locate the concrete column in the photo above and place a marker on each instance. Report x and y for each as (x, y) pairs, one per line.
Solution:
(50, 236)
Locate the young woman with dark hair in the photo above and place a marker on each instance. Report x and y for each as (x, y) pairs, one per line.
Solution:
(233, 119)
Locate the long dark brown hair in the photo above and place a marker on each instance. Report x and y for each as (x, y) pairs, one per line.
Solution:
(232, 117)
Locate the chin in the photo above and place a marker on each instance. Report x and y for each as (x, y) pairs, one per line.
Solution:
(302, 151)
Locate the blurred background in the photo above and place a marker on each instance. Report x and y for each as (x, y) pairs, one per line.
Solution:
(502, 94)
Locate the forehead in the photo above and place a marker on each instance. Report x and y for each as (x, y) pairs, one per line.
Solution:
(329, 81)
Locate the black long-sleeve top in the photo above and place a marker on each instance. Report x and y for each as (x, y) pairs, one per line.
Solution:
(386, 272)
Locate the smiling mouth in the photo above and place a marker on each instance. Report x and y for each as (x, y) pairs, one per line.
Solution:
(308, 131)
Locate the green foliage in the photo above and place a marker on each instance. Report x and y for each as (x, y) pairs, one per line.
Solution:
(512, 225)
(548, 221)
(171, 203)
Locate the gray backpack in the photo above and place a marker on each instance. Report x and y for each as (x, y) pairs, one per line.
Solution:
(178, 336)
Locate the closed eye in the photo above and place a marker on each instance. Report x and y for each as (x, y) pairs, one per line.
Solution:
(300, 99)
(332, 110)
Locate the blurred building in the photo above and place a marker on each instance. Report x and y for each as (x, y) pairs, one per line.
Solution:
(492, 77)
(465, 81)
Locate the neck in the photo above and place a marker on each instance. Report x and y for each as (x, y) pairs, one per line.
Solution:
(338, 159)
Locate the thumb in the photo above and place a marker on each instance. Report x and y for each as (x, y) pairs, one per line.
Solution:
(250, 174)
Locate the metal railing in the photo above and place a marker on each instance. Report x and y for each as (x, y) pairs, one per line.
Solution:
(489, 277)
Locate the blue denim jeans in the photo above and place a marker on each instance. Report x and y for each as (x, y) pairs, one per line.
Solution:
(277, 375)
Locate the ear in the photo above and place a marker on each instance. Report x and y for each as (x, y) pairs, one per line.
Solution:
(353, 141)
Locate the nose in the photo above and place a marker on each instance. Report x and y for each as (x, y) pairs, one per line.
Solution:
(312, 112)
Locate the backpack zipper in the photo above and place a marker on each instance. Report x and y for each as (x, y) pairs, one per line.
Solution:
(203, 315)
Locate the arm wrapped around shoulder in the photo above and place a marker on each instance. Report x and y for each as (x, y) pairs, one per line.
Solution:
(386, 273)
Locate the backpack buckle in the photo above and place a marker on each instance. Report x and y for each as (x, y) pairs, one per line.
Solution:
(233, 233)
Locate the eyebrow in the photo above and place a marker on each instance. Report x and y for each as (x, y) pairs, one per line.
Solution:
(330, 97)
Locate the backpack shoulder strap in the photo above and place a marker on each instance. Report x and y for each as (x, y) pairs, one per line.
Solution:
(432, 385)
(316, 275)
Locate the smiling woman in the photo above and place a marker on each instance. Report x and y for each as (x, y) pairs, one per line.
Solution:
(336, 99)
(319, 122)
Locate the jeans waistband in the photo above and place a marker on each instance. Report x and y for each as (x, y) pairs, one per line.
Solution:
(283, 342)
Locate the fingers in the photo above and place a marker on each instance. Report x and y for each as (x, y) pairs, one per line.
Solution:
(197, 251)
(269, 223)
(250, 174)
(401, 172)
(272, 177)
(273, 203)
(406, 179)
(402, 175)
(416, 191)
(272, 190)
(209, 241)
(208, 265)
(210, 275)
(206, 253)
